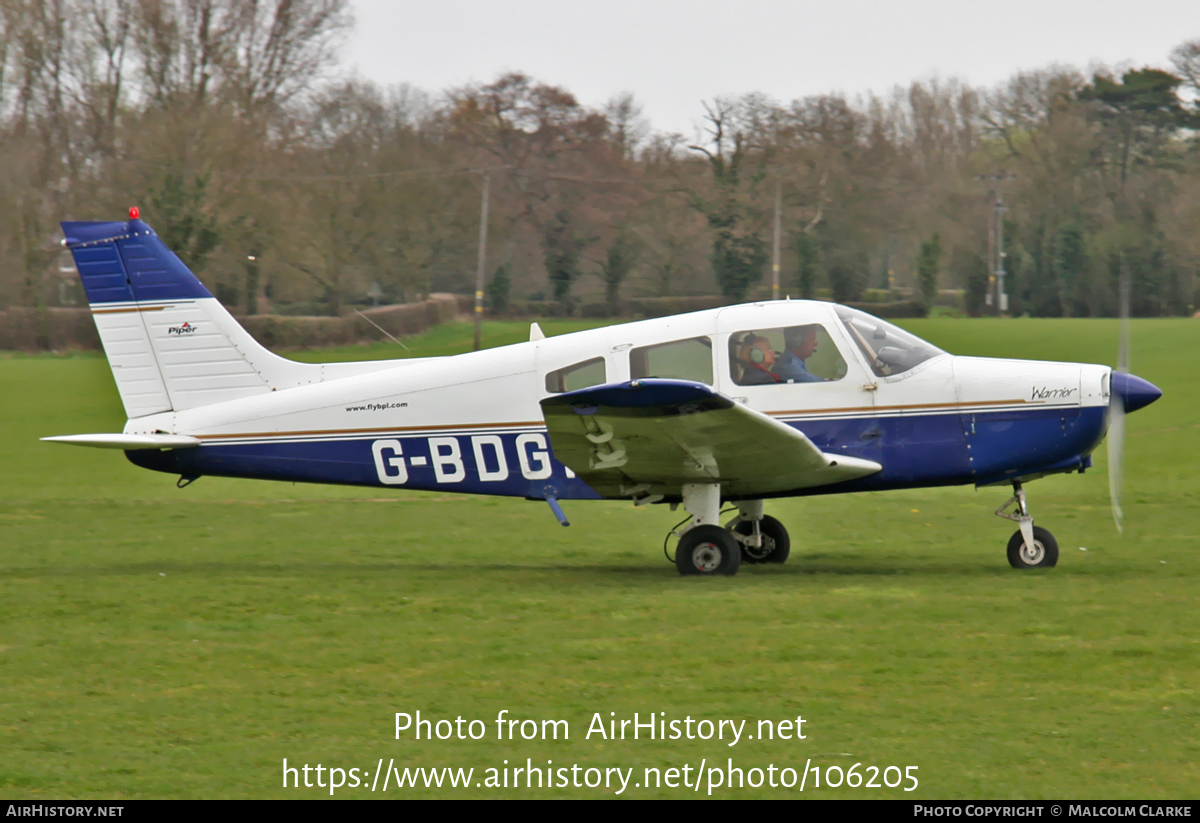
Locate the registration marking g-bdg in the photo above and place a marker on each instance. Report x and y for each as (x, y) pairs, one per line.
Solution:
(446, 456)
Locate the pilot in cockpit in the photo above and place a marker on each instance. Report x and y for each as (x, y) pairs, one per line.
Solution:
(800, 343)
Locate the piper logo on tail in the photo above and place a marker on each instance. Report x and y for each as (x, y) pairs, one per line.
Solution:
(186, 328)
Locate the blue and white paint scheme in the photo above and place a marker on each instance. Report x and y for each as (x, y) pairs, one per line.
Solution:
(663, 410)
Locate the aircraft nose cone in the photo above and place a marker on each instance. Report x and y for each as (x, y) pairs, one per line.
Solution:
(1135, 392)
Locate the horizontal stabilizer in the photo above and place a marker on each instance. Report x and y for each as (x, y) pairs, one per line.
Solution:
(128, 442)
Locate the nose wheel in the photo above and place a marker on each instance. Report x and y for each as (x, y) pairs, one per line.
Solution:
(1042, 554)
(1030, 547)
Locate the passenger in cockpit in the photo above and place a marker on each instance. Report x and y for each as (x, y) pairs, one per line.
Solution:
(757, 357)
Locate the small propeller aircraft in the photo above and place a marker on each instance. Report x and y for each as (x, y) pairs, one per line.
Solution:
(734, 405)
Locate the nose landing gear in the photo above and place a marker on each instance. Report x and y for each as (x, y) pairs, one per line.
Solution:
(1031, 546)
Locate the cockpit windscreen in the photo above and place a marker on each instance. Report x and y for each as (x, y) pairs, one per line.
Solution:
(889, 349)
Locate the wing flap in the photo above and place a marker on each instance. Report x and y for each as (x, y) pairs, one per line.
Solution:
(651, 436)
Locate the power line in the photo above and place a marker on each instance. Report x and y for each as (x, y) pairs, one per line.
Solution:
(431, 172)
(428, 172)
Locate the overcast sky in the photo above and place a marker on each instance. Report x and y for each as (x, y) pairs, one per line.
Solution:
(673, 54)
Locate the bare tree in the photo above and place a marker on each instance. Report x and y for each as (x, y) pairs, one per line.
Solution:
(629, 127)
(279, 48)
(1185, 59)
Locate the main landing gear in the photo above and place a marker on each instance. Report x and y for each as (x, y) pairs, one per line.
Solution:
(706, 547)
(1030, 547)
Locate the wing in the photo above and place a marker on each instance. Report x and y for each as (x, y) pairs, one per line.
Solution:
(653, 435)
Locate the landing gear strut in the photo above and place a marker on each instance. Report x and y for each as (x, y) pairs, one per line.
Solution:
(706, 548)
(1031, 546)
(763, 538)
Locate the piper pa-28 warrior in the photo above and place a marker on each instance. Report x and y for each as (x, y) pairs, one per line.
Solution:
(733, 405)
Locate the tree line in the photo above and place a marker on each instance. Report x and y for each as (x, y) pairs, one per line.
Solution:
(289, 187)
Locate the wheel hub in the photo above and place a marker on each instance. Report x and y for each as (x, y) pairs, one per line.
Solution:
(706, 557)
(763, 551)
(1033, 555)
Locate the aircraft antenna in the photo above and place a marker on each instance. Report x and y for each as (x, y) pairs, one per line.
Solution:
(381, 328)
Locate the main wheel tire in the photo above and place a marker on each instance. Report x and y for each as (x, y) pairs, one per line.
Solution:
(1043, 556)
(708, 550)
(775, 541)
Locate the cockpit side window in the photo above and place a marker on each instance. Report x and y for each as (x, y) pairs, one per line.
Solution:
(889, 349)
(793, 354)
(576, 376)
(690, 359)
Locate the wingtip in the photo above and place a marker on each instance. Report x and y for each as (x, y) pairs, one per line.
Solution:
(126, 442)
(853, 467)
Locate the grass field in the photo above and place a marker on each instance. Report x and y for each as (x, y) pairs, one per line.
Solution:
(167, 643)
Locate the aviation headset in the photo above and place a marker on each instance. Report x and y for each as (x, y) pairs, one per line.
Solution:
(754, 354)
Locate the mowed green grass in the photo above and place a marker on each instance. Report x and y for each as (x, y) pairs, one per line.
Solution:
(159, 642)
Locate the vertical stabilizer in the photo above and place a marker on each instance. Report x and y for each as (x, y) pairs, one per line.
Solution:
(171, 345)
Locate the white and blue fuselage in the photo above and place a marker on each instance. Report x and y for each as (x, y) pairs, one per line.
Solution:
(688, 408)
(474, 422)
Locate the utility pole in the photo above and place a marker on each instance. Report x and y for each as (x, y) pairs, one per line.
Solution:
(775, 252)
(997, 273)
(483, 224)
(990, 297)
(888, 271)
(1000, 253)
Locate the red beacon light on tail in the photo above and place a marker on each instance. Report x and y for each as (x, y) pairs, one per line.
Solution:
(134, 213)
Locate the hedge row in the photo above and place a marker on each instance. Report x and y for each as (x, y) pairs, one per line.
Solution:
(60, 328)
(900, 308)
(637, 307)
(277, 331)
(47, 328)
(666, 306)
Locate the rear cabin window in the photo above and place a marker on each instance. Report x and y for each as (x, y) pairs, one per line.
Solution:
(794, 354)
(689, 359)
(577, 376)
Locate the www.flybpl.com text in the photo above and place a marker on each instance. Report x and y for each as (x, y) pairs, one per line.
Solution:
(720, 773)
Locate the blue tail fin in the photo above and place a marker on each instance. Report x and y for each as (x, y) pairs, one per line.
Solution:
(171, 345)
(127, 263)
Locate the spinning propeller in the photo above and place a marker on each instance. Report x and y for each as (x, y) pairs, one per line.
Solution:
(1127, 393)
(1116, 402)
